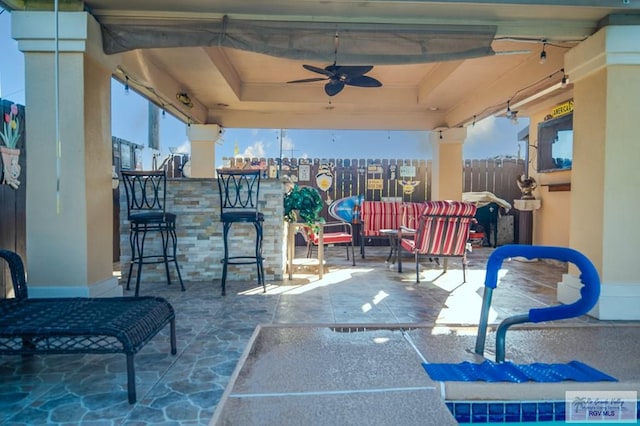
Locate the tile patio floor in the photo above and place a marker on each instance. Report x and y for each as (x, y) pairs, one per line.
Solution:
(213, 331)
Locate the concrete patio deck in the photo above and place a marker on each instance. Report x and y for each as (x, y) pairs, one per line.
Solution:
(440, 314)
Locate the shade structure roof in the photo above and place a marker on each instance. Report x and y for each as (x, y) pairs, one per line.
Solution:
(442, 64)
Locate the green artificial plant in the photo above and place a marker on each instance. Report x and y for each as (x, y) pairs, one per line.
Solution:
(303, 203)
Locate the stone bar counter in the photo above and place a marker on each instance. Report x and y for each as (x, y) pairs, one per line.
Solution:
(196, 203)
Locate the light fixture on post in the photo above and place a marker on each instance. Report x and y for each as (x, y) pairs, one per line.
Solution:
(565, 79)
(543, 54)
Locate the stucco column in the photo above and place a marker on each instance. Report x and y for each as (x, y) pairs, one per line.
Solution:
(446, 176)
(203, 138)
(605, 70)
(69, 200)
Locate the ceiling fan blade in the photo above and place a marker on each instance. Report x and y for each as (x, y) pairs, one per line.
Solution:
(340, 75)
(309, 80)
(352, 70)
(317, 69)
(332, 88)
(363, 81)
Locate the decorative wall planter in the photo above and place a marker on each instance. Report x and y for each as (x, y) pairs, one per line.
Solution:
(11, 166)
(10, 135)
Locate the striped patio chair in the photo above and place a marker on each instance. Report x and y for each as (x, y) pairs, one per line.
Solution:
(377, 215)
(442, 232)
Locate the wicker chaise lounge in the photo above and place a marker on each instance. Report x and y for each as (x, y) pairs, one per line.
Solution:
(80, 325)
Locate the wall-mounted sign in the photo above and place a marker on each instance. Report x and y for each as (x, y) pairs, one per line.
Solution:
(393, 169)
(408, 186)
(125, 156)
(304, 172)
(407, 171)
(324, 177)
(374, 168)
(562, 109)
(375, 184)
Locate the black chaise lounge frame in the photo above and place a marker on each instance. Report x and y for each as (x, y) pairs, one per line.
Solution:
(80, 325)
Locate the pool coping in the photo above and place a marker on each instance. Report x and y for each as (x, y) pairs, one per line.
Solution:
(455, 347)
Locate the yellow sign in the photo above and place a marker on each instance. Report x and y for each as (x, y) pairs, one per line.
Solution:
(562, 109)
(374, 184)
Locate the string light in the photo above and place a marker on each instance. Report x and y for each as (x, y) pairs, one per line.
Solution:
(160, 100)
(543, 54)
(511, 115)
(494, 109)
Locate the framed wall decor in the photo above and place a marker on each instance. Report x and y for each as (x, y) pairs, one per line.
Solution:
(304, 173)
(125, 156)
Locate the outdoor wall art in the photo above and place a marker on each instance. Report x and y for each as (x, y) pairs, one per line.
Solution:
(10, 153)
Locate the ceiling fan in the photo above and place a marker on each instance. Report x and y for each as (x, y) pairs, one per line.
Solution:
(338, 76)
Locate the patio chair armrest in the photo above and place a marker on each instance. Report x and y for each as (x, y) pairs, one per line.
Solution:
(344, 226)
(405, 232)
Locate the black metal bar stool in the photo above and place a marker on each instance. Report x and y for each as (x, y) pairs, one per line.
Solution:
(239, 191)
(146, 200)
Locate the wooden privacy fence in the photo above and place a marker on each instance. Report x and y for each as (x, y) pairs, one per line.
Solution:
(377, 179)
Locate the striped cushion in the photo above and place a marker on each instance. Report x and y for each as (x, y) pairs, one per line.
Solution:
(449, 208)
(444, 228)
(332, 238)
(377, 215)
(411, 213)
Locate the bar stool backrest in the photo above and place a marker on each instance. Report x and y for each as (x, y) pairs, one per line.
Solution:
(146, 194)
(239, 190)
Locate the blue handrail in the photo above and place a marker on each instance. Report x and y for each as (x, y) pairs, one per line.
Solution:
(589, 293)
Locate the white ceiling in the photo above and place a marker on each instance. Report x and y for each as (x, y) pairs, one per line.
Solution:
(236, 88)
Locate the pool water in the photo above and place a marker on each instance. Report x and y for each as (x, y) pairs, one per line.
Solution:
(516, 412)
(559, 422)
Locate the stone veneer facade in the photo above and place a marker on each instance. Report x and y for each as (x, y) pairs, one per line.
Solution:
(196, 203)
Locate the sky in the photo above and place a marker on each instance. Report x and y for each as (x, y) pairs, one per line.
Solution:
(489, 138)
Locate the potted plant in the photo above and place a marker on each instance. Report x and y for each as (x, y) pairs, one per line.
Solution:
(304, 204)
